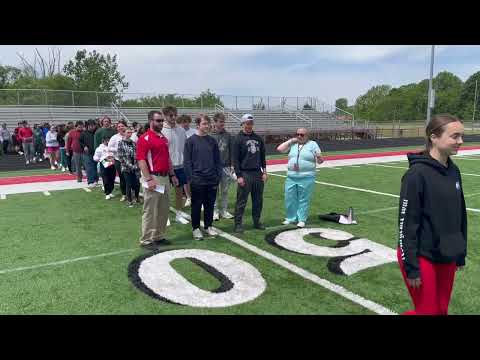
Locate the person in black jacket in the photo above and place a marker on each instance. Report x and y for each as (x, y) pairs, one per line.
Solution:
(87, 141)
(433, 219)
(201, 161)
(251, 170)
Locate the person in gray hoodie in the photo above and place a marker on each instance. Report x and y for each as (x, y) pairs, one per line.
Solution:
(225, 145)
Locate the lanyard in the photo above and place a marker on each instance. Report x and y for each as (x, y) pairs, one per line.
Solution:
(298, 152)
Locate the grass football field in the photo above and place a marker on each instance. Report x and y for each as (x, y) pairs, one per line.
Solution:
(69, 253)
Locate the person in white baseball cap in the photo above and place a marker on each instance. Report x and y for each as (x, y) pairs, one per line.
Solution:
(251, 170)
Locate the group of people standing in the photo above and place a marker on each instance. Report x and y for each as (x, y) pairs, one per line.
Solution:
(201, 164)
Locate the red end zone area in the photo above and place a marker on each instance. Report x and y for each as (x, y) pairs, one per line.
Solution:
(363, 155)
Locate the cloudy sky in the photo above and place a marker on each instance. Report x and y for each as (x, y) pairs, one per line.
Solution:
(327, 72)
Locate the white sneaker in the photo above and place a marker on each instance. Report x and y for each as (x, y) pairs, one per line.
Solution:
(123, 198)
(63, 169)
(286, 222)
(301, 224)
(197, 234)
(27, 162)
(211, 232)
(52, 167)
(181, 220)
(216, 216)
(188, 202)
(108, 197)
(226, 215)
(112, 196)
(40, 160)
(168, 222)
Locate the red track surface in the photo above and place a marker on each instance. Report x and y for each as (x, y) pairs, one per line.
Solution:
(60, 177)
(363, 155)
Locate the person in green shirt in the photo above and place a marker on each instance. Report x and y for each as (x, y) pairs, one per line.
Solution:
(105, 130)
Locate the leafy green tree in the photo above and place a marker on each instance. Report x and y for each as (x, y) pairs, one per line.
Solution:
(95, 72)
(467, 97)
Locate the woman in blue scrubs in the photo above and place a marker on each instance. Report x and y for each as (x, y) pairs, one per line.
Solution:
(303, 156)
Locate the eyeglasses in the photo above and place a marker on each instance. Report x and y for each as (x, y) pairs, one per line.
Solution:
(158, 120)
(300, 134)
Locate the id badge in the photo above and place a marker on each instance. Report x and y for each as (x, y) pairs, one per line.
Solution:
(295, 167)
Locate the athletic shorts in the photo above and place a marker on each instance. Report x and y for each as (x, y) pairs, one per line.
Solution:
(52, 149)
(180, 174)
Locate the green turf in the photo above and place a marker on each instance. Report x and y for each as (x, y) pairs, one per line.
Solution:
(72, 224)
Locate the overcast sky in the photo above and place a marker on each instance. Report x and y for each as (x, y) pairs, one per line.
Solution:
(327, 72)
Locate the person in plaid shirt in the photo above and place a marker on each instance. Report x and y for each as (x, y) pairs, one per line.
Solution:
(127, 156)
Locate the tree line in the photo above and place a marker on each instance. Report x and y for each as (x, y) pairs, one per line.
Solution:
(409, 102)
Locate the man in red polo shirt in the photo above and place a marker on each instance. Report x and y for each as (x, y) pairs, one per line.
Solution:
(157, 170)
(25, 134)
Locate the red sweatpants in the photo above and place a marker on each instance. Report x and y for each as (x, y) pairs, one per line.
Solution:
(433, 296)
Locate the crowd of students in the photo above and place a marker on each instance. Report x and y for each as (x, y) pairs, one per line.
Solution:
(202, 164)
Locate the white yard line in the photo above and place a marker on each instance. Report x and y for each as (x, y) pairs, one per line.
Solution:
(67, 261)
(368, 304)
(362, 190)
(87, 189)
(474, 194)
(401, 167)
(46, 193)
(3, 197)
(376, 210)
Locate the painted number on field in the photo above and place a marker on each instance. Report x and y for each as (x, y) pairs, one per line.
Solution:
(240, 281)
(349, 256)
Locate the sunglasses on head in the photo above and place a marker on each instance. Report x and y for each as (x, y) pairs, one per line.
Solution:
(300, 134)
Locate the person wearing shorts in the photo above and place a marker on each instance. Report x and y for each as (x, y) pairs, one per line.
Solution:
(52, 146)
(176, 144)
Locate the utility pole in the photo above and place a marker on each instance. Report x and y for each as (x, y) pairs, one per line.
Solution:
(430, 105)
(474, 103)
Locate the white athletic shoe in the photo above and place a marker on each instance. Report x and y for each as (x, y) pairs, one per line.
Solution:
(123, 198)
(168, 222)
(40, 160)
(108, 197)
(197, 234)
(181, 220)
(188, 202)
(226, 215)
(286, 222)
(112, 195)
(27, 162)
(211, 232)
(53, 167)
(301, 224)
(216, 216)
(63, 169)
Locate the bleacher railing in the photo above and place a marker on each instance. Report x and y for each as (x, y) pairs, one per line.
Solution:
(42, 97)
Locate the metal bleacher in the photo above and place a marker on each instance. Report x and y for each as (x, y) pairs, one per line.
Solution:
(266, 121)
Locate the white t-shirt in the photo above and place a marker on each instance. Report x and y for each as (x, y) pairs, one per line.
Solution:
(176, 143)
(134, 137)
(190, 132)
(113, 145)
(51, 139)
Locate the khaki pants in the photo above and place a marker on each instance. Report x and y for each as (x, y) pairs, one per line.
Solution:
(156, 207)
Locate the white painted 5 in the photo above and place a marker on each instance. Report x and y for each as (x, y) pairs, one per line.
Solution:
(293, 240)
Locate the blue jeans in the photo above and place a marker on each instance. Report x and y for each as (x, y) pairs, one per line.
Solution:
(91, 168)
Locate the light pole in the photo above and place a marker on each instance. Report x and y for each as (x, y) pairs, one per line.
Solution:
(474, 103)
(430, 85)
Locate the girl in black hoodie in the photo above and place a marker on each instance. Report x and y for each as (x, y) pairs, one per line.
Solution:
(433, 219)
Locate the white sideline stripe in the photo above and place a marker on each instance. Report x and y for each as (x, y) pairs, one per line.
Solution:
(87, 189)
(67, 261)
(46, 193)
(376, 211)
(368, 304)
(465, 158)
(400, 167)
(3, 197)
(362, 190)
(474, 194)
(346, 187)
